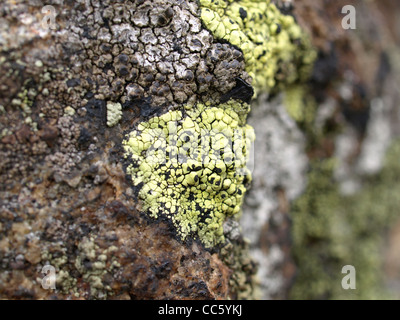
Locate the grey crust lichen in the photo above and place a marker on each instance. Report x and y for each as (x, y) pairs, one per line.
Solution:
(154, 52)
(95, 264)
(114, 113)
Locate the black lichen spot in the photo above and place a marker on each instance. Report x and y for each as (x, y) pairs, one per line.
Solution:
(262, 54)
(177, 47)
(96, 109)
(146, 109)
(89, 95)
(278, 28)
(357, 112)
(85, 138)
(325, 68)
(123, 71)
(167, 175)
(242, 91)
(123, 58)
(189, 76)
(164, 17)
(383, 71)
(243, 13)
(105, 48)
(86, 33)
(73, 82)
(108, 66)
(149, 77)
(286, 8)
(137, 188)
(169, 13)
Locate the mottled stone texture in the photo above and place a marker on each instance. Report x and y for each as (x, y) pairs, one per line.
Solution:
(65, 199)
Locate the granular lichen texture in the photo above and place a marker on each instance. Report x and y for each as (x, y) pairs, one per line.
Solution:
(274, 46)
(124, 140)
(192, 168)
(114, 113)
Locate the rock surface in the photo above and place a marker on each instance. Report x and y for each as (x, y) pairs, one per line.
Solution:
(73, 88)
(354, 107)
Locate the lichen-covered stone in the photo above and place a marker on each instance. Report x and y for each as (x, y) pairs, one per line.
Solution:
(67, 198)
(192, 168)
(275, 49)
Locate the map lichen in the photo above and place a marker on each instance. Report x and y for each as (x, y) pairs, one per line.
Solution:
(191, 168)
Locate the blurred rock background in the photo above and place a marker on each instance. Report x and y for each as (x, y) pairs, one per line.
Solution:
(325, 190)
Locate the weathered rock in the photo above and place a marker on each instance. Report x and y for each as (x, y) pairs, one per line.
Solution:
(73, 89)
(68, 95)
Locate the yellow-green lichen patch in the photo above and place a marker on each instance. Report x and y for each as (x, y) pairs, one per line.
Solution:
(275, 48)
(94, 264)
(192, 168)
